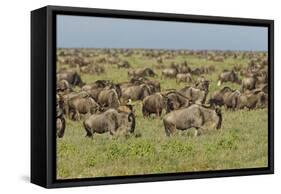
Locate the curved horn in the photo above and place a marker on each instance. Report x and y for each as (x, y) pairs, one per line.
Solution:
(176, 92)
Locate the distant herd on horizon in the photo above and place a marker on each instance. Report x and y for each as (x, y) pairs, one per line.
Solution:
(109, 106)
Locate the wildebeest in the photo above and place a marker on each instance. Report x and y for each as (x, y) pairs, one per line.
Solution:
(63, 87)
(202, 84)
(98, 86)
(228, 76)
(71, 76)
(251, 100)
(108, 98)
(262, 87)
(201, 79)
(193, 116)
(137, 92)
(175, 100)
(93, 69)
(142, 72)
(153, 85)
(184, 68)
(77, 104)
(169, 72)
(195, 95)
(110, 121)
(197, 71)
(125, 64)
(230, 99)
(262, 78)
(209, 69)
(154, 103)
(216, 98)
(249, 83)
(183, 77)
(216, 58)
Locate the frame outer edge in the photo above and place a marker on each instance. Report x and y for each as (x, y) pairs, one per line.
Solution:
(50, 88)
(51, 180)
(38, 97)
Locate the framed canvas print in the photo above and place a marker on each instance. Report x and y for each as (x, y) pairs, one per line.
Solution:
(125, 96)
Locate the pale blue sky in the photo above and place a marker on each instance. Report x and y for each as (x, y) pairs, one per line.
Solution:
(101, 32)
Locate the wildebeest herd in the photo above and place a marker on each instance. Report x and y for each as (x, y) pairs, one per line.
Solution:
(143, 111)
(108, 106)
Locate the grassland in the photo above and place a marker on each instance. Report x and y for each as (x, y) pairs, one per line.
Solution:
(240, 143)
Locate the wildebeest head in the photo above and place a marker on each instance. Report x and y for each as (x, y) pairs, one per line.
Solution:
(77, 80)
(117, 88)
(63, 85)
(171, 104)
(203, 85)
(234, 77)
(149, 72)
(175, 100)
(145, 91)
(101, 83)
(217, 97)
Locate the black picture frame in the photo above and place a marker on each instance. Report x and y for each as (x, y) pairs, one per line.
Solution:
(43, 81)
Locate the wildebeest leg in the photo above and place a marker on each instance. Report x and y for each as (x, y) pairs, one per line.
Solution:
(197, 131)
(144, 113)
(67, 112)
(77, 114)
(89, 131)
(158, 113)
(71, 115)
(168, 128)
(198, 124)
(113, 132)
(234, 103)
(90, 136)
(112, 129)
(62, 128)
(226, 107)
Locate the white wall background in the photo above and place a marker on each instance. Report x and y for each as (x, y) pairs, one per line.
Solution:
(15, 94)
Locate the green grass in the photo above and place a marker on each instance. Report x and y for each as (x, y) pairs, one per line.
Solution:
(240, 143)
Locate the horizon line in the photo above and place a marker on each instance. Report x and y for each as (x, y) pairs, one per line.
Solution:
(177, 49)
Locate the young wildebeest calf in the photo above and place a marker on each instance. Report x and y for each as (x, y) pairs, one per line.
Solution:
(194, 116)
